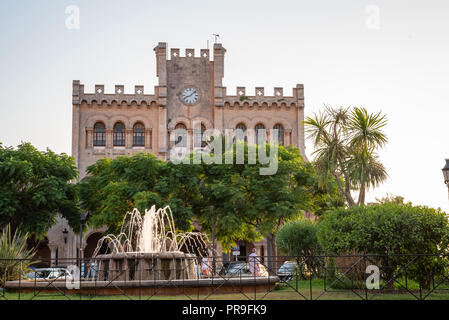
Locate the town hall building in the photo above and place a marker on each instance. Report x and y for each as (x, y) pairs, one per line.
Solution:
(189, 93)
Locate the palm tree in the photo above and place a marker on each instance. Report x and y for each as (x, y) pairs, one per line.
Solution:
(345, 142)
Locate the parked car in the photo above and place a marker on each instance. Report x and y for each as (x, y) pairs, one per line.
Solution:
(287, 270)
(239, 270)
(229, 265)
(49, 274)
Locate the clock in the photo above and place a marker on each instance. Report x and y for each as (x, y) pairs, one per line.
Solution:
(190, 95)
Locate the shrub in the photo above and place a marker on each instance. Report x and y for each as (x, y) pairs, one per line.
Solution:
(390, 229)
(298, 238)
(11, 250)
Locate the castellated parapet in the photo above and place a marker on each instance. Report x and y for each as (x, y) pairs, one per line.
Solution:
(260, 99)
(118, 97)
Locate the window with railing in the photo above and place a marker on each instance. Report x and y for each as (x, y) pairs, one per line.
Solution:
(260, 134)
(99, 138)
(198, 140)
(280, 130)
(119, 135)
(139, 135)
(180, 135)
(241, 132)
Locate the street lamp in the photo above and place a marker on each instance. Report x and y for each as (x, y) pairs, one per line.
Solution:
(65, 232)
(446, 173)
(83, 218)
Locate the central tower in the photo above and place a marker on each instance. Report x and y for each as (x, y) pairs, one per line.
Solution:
(189, 82)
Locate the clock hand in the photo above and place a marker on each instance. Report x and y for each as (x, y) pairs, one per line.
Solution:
(190, 95)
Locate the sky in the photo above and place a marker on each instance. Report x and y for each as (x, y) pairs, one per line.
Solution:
(384, 55)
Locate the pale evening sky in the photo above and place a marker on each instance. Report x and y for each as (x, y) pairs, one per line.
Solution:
(339, 50)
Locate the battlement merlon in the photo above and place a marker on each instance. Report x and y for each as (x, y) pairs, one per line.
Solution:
(219, 53)
(260, 98)
(161, 62)
(118, 96)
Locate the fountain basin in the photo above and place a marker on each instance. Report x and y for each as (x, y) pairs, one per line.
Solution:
(182, 288)
(129, 266)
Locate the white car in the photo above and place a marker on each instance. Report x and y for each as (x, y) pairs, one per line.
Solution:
(50, 274)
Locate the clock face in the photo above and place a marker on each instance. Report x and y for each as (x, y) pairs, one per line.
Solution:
(190, 95)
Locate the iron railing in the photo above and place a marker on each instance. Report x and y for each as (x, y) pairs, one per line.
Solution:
(364, 277)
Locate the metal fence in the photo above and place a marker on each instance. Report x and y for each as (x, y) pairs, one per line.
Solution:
(364, 277)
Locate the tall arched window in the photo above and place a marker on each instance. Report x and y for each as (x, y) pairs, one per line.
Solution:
(139, 135)
(260, 130)
(198, 140)
(119, 134)
(180, 135)
(99, 134)
(240, 133)
(280, 130)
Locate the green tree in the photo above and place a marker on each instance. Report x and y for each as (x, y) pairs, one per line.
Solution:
(36, 187)
(391, 231)
(346, 142)
(299, 238)
(114, 187)
(239, 201)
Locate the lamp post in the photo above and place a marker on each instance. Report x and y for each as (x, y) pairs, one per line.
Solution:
(446, 173)
(65, 232)
(213, 239)
(83, 218)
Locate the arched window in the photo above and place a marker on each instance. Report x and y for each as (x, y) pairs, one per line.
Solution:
(119, 134)
(180, 135)
(99, 134)
(198, 141)
(260, 130)
(280, 130)
(240, 133)
(139, 135)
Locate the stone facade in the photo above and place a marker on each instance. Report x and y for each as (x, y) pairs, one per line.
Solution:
(160, 113)
(113, 124)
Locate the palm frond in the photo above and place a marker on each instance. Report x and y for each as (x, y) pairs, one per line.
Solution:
(366, 129)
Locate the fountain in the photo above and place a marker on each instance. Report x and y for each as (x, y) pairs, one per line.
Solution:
(149, 248)
(149, 258)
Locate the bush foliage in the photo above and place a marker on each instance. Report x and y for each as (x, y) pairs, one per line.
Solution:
(390, 228)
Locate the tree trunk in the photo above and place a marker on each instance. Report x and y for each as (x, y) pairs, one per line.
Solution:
(362, 193)
(348, 194)
(271, 252)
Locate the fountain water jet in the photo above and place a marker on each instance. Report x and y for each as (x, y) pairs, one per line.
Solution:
(149, 248)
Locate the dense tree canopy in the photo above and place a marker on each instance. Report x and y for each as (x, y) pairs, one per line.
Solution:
(35, 187)
(234, 200)
(114, 187)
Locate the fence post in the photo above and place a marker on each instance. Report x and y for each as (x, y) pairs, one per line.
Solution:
(20, 279)
(364, 277)
(420, 282)
(310, 286)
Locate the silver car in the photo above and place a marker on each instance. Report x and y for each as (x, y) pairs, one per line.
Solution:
(287, 270)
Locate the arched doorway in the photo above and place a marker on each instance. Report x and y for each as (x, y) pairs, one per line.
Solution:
(43, 252)
(91, 245)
